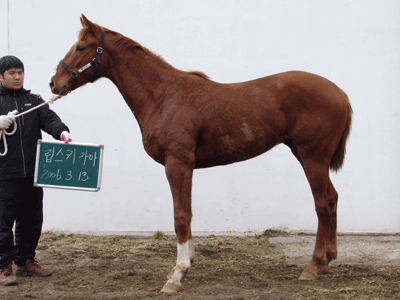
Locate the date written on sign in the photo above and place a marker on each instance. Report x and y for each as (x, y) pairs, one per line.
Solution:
(82, 176)
(72, 165)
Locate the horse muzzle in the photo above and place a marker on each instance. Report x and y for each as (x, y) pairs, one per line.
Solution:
(60, 89)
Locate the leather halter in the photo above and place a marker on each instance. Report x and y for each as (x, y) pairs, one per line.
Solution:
(94, 63)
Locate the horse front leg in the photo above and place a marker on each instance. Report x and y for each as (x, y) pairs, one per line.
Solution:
(191, 253)
(179, 175)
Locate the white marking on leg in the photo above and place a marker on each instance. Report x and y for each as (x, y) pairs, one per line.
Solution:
(182, 264)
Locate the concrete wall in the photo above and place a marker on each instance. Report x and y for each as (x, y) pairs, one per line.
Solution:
(355, 44)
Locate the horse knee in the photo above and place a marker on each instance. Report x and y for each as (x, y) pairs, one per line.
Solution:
(322, 210)
(327, 207)
(333, 196)
(327, 198)
(182, 225)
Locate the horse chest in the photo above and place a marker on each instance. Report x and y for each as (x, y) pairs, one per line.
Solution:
(158, 141)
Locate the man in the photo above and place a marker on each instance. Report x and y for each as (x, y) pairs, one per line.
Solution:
(20, 201)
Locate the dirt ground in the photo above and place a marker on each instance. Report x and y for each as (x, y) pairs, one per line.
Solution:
(254, 267)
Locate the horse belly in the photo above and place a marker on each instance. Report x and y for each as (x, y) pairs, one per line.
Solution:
(228, 148)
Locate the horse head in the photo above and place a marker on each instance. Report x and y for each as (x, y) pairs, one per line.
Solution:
(82, 62)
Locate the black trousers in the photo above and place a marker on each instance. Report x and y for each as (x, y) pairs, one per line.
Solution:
(20, 203)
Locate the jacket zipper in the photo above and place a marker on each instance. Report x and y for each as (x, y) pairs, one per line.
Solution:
(20, 136)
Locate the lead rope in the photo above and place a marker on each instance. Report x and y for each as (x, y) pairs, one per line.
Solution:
(3, 132)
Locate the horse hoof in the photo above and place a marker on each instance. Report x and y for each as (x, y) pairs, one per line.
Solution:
(308, 275)
(169, 287)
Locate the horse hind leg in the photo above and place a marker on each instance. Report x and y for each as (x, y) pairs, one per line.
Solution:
(325, 198)
(331, 247)
(325, 206)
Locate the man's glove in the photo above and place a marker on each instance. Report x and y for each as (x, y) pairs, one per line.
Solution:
(66, 137)
(6, 120)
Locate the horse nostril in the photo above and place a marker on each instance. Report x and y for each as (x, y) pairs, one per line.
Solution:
(51, 83)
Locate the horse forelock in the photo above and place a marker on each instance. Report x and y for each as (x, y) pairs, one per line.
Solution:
(86, 30)
(82, 33)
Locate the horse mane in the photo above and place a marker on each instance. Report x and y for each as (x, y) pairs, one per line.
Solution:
(199, 74)
(193, 73)
(130, 45)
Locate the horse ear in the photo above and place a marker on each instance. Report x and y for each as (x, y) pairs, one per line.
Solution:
(92, 27)
(85, 22)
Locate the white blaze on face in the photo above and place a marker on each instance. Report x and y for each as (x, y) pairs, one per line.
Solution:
(53, 73)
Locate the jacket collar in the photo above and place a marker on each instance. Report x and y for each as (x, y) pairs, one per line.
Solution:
(6, 91)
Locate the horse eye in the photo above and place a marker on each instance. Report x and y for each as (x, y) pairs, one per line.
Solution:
(80, 49)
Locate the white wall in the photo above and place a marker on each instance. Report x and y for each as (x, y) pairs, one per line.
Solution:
(354, 43)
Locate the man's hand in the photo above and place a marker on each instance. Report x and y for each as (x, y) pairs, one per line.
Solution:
(6, 120)
(66, 137)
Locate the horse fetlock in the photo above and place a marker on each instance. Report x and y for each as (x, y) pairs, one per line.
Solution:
(174, 279)
(181, 272)
(191, 251)
(323, 269)
(169, 276)
(333, 256)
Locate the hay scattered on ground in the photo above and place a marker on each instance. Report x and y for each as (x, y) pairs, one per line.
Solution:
(128, 267)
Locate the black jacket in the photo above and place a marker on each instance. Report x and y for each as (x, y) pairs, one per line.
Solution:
(19, 162)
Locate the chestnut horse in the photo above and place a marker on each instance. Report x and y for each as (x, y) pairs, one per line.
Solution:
(188, 121)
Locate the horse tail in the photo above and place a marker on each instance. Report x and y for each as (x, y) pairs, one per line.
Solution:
(338, 156)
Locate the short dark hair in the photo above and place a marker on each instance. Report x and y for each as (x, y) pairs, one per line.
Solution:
(10, 61)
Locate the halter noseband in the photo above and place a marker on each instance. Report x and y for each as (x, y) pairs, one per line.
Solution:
(94, 63)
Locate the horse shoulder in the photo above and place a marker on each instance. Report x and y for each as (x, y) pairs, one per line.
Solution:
(170, 130)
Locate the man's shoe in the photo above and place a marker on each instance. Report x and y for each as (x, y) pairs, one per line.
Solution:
(6, 275)
(32, 268)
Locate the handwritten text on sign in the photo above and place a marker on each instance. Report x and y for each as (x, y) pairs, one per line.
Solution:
(59, 156)
(68, 165)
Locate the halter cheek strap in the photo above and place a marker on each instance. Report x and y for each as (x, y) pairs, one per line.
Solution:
(95, 63)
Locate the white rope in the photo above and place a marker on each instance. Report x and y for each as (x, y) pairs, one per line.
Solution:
(3, 132)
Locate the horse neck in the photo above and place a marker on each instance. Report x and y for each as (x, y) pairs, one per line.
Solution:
(139, 76)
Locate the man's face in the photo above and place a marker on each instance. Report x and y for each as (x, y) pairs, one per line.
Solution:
(12, 78)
